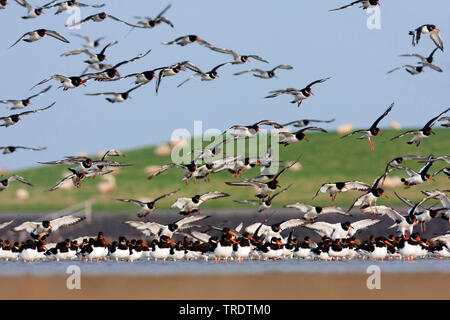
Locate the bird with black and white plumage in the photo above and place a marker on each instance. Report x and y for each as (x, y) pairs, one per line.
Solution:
(204, 171)
(38, 34)
(249, 131)
(264, 205)
(397, 163)
(42, 229)
(185, 40)
(238, 165)
(204, 76)
(187, 206)
(371, 195)
(290, 138)
(447, 124)
(94, 57)
(31, 11)
(146, 207)
(99, 17)
(76, 178)
(168, 71)
(111, 73)
(67, 82)
(188, 168)
(20, 104)
(89, 42)
(264, 189)
(423, 133)
(412, 70)
(150, 22)
(340, 230)
(426, 61)
(416, 178)
(310, 212)
(299, 95)
(14, 118)
(445, 171)
(158, 230)
(11, 149)
(274, 230)
(365, 4)
(265, 74)
(373, 131)
(429, 29)
(305, 122)
(237, 58)
(69, 5)
(404, 224)
(145, 76)
(116, 96)
(333, 188)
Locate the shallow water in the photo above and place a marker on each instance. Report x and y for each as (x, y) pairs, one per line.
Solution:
(16, 268)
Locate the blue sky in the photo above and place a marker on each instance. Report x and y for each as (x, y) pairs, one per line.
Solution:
(302, 33)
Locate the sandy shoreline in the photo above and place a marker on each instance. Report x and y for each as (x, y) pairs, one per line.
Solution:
(268, 286)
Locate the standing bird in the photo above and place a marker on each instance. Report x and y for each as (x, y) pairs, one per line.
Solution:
(299, 95)
(427, 29)
(4, 183)
(94, 57)
(265, 74)
(238, 59)
(38, 35)
(423, 133)
(99, 17)
(117, 96)
(370, 133)
(14, 118)
(290, 138)
(205, 76)
(11, 149)
(365, 4)
(38, 230)
(426, 61)
(20, 104)
(147, 207)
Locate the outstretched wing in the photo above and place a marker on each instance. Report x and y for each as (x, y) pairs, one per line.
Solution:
(65, 221)
(375, 124)
(20, 179)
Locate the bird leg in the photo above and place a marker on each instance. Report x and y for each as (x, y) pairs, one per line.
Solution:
(299, 103)
(371, 143)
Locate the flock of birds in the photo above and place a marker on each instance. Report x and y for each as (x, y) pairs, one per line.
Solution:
(255, 241)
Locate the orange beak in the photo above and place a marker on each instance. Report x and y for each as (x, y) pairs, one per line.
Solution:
(430, 178)
(170, 241)
(181, 69)
(82, 83)
(232, 233)
(116, 73)
(379, 132)
(154, 75)
(280, 242)
(304, 138)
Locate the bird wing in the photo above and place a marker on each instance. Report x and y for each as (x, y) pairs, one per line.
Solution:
(317, 81)
(258, 58)
(253, 227)
(253, 184)
(302, 207)
(161, 170)
(65, 221)
(313, 129)
(279, 192)
(352, 133)
(81, 21)
(286, 168)
(321, 227)
(164, 11)
(383, 210)
(139, 56)
(40, 93)
(357, 185)
(332, 209)
(292, 223)
(427, 165)
(404, 134)
(124, 22)
(269, 123)
(252, 202)
(375, 124)
(183, 223)
(37, 110)
(26, 34)
(136, 202)
(56, 35)
(26, 226)
(363, 224)
(404, 200)
(20, 179)
(430, 123)
(61, 182)
(201, 236)
(346, 6)
(166, 195)
(147, 228)
(180, 203)
(78, 51)
(282, 66)
(436, 37)
(5, 224)
(249, 70)
(214, 195)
